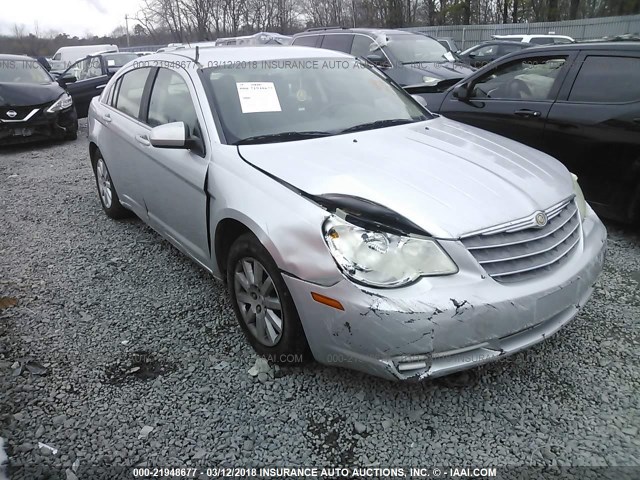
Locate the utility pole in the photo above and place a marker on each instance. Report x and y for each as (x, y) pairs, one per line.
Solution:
(353, 12)
(126, 23)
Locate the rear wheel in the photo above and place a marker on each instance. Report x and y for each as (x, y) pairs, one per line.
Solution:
(106, 191)
(262, 303)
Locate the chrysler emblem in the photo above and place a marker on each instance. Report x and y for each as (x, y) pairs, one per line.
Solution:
(541, 219)
(11, 114)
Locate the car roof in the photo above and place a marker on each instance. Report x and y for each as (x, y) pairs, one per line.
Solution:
(373, 31)
(244, 53)
(7, 57)
(621, 46)
(539, 35)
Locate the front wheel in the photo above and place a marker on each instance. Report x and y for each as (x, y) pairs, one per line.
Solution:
(262, 303)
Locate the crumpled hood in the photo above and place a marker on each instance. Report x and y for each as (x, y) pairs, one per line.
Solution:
(27, 94)
(444, 176)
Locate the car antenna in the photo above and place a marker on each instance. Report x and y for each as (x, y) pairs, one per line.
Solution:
(197, 53)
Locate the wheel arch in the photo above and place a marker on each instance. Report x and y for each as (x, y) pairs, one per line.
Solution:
(227, 231)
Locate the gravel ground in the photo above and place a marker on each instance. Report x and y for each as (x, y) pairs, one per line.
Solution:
(133, 335)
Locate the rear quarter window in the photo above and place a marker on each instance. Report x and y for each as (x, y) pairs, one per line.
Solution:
(306, 41)
(340, 42)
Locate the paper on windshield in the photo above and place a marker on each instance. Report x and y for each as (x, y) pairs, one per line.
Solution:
(258, 97)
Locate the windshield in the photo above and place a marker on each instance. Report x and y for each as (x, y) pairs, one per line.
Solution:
(415, 49)
(23, 71)
(306, 98)
(119, 59)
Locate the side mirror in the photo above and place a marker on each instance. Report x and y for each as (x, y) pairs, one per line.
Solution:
(471, 55)
(378, 60)
(175, 135)
(420, 100)
(64, 80)
(461, 92)
(169, 135)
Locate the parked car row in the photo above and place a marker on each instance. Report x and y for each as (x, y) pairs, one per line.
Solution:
(417, 62)
(546, 97)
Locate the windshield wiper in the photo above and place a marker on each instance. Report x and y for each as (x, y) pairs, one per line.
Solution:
(281, 137)
(377, 124)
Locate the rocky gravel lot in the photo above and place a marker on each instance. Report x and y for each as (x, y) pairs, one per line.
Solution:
(120, 351)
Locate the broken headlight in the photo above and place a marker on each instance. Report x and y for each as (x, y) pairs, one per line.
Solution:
(580, 201)
(65, 101)
(382, 259)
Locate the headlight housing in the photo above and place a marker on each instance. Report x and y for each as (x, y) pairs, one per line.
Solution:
(580, 201)
(65, 101)
(382, 259)
(430, 81)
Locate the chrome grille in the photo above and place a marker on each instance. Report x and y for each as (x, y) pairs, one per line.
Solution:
(517, 251)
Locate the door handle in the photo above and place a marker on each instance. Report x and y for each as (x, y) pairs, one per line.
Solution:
(106, 117)
(101, 86)
(525, 112)
(143, 140)
(636, 120)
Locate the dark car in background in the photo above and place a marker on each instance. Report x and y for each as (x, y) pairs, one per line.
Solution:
(32, 105)
(577, 102)
(414, 61)
(86, 77)
(484, 53)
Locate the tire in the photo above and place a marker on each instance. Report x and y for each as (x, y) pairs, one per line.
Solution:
(260, 304)
(73, 133)
(106, 191)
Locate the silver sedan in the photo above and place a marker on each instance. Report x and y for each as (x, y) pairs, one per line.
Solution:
(349, 223)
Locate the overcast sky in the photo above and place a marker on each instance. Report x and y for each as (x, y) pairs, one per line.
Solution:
(75, 17)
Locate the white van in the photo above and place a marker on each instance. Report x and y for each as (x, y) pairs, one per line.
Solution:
(65, 56)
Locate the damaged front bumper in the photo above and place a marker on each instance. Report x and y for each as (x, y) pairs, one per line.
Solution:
(441, 325)
(43, 125)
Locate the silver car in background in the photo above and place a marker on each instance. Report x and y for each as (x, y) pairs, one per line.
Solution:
(348, 222)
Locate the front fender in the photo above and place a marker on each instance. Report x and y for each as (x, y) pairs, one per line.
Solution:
(286, 223)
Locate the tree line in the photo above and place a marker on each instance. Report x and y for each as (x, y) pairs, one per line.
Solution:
(165, 21)
(210, 19)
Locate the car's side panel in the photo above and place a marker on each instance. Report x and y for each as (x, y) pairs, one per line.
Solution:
(289, 226)
(598, 141)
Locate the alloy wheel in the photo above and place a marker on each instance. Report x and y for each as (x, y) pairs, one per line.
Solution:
(258, 301)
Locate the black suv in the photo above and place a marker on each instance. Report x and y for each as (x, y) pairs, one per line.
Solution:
(417, 62)
(577, 102)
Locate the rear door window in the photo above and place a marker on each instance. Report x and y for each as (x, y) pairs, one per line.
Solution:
(340, 42)
(130, 92)
(307, 40)
(607, 80)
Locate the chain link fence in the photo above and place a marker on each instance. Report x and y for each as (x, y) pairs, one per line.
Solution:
(469, 35)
